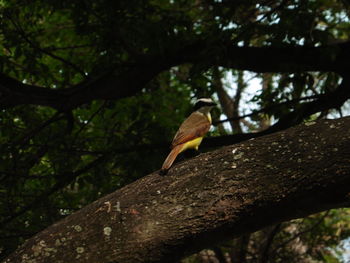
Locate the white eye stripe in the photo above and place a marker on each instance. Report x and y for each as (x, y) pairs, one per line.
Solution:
(206, 100)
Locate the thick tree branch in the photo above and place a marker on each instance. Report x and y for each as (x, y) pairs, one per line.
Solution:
(269, 59)
(235, 190)
(127, 80)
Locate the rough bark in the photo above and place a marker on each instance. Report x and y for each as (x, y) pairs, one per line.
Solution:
(117, 83)
(223, 194)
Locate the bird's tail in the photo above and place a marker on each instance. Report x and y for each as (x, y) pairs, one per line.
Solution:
(171, 158)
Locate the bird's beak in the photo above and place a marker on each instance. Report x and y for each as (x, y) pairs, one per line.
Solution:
(213, 104)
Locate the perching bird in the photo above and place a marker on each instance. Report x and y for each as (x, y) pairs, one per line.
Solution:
(191, 131)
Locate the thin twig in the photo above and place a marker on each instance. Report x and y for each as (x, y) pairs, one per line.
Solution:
(66, 179)
(24, 36)
(302, 232)
(24, 139)
(215, 123)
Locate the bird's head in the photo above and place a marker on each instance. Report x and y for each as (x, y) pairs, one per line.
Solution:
(204, 104)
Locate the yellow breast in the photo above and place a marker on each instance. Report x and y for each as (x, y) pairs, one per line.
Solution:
(192, 144)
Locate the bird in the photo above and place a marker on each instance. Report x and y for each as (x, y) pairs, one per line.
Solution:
(191, 131)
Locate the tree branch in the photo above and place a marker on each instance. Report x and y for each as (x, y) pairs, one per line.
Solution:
(268, 59)
(235, 190)
(302, 232)
(121, 82)
(23, 34)
(331, 100)
(273, 231)
(264, 110)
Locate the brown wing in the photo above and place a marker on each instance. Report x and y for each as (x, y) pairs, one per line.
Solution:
(196, 125)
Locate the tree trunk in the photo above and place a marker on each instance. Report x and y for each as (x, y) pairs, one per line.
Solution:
(215, 196)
